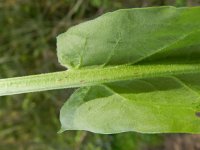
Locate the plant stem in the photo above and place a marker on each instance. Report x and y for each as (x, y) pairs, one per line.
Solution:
(89, 77)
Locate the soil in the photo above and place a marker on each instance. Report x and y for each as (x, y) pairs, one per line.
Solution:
(182, 142)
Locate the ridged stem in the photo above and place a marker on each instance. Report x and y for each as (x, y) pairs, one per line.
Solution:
(88, 77)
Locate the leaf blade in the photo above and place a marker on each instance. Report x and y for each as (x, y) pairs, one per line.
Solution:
(126, 36)
(165, 36)
(139, 105)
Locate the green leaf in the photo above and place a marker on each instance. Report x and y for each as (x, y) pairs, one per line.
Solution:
(165, 36)
(152, 105)
(130, 36)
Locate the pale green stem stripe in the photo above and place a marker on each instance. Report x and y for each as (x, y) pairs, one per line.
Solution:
(88, 77)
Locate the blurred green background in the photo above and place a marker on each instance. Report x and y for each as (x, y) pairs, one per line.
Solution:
(28, 30)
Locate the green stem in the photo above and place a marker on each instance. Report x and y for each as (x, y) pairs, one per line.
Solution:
(88, 77)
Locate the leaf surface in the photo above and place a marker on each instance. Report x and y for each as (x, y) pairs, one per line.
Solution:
(154, 105)
(131, 36)
(167, 102)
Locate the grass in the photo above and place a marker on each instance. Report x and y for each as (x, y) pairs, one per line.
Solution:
(28, 31)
